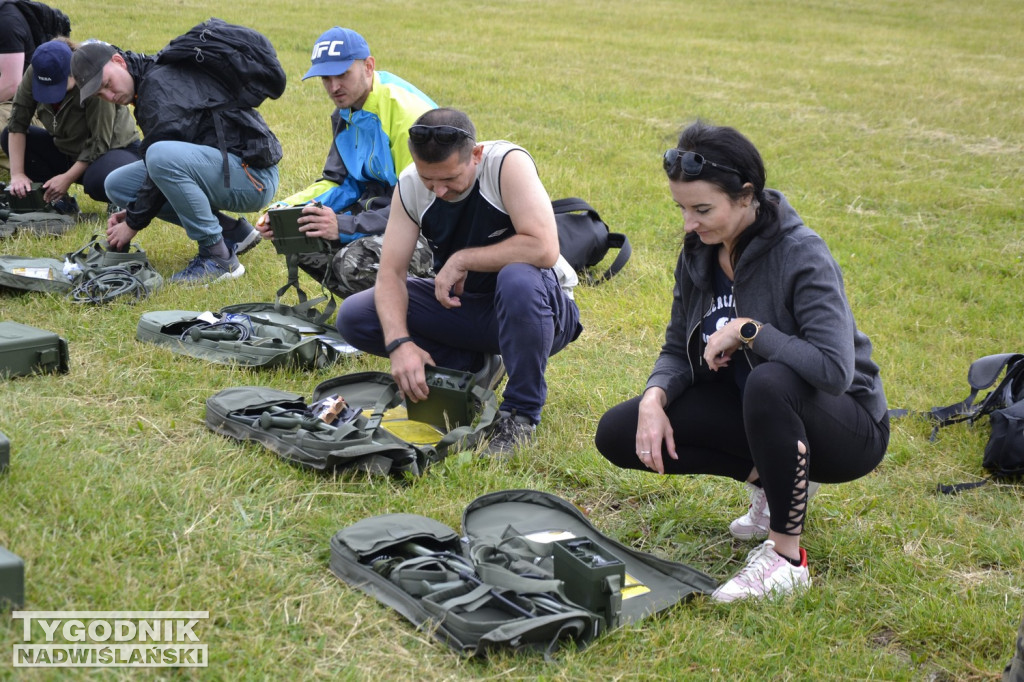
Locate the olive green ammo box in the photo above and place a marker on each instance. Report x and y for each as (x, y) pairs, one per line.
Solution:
(26, 350)
(12, 581)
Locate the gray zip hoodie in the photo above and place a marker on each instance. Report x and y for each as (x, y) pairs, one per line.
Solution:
(790, 283)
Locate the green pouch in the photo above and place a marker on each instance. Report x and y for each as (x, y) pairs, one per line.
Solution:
(101, 275)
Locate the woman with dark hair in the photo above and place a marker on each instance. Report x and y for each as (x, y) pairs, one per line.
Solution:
(80, 143)
(763, 376)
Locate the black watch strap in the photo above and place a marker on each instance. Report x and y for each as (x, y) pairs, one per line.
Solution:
(390, 348)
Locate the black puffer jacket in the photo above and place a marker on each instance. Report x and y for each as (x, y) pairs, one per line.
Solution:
(180, 103)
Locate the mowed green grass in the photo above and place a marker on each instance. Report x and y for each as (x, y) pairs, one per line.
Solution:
(894, 128)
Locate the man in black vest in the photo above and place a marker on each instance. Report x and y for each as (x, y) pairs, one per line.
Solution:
(502, 288)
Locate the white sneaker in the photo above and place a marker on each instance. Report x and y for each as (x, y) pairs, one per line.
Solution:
(766, 573)
(754, 524)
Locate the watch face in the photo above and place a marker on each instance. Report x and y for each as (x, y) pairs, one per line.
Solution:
(748, 331)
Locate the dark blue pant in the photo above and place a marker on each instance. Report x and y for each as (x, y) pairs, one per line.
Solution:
(717, 431)
(43, 161)
(527, 319)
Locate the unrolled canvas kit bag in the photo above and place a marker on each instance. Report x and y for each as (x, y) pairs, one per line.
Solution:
(528, 572)
(355, 421)
(92, 274)
(249, 334)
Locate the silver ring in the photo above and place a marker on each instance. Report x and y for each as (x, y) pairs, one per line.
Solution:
(645, 452)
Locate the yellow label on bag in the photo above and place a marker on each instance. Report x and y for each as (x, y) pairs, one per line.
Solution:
(34, 273)
(396, 421)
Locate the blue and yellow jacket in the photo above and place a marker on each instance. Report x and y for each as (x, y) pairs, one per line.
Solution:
(370, 147)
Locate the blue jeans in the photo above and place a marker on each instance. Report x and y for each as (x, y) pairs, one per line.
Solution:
(526, 319)
(191, 178)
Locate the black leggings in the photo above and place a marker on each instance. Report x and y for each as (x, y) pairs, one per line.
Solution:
(717, 431)
(43, 161)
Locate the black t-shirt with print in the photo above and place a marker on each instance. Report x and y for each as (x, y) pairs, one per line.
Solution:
(722, 311)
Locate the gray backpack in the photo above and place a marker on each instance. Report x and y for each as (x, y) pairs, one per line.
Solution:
(367, 430)
(530, 572)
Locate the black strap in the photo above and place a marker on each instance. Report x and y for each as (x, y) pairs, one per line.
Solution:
(956, 488)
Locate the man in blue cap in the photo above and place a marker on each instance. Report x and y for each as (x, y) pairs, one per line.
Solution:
(75, 143)
(370, 126)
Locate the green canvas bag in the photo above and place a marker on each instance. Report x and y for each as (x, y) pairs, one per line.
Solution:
(373, 436)
(530, 572)
(91, 274)
(260, 335)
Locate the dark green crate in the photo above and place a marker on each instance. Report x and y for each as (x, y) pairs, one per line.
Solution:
(593, 577)
(12, 581)
(25, 350)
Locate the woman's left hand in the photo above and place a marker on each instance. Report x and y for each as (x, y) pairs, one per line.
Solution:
(56, 187)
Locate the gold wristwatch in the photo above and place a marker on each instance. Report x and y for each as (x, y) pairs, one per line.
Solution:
(748, 332)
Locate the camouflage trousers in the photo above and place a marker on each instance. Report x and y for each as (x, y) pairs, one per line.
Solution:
(353, 267)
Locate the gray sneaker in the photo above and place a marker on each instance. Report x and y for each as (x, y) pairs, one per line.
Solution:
(491, 374)
(242, 238)
(508, 434)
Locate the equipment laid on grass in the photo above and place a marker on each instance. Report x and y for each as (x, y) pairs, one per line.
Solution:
(355, 421)
(531, 573)
(1004, 452)
(12, 580)
(584, 239)
(26, 350)
(249, 334)
(92, 274)
(32, 213)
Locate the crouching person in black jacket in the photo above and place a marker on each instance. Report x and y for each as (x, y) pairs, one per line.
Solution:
(203, 152)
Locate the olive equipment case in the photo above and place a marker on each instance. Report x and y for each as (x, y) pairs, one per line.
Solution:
(26, 350)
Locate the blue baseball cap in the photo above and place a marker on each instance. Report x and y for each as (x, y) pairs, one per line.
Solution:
(334, 52)
(51, 66)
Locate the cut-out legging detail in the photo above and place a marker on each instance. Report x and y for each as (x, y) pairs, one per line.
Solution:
(717, 431)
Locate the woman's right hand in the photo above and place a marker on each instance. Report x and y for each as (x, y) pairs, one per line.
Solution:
(654, 429)
(20, 185)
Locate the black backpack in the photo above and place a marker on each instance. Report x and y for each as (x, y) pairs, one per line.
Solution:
(242, 59)
(584, 239)
(1004, 452)
(44, 22)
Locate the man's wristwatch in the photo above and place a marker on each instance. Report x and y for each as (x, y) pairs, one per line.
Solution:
(748, 331)
(390, 348)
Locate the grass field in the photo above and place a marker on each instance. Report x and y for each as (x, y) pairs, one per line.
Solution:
(894, 128)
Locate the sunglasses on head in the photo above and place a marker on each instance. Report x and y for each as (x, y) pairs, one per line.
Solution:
(691, 163)
(443, 135)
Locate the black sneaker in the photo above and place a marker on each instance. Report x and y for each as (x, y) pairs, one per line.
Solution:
(491, 374)
(510, 433)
